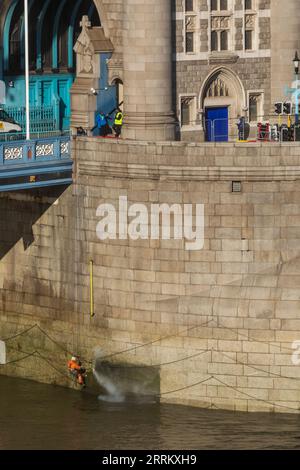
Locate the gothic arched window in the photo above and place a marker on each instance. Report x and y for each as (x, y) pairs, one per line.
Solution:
(224, 40)
(214, 41)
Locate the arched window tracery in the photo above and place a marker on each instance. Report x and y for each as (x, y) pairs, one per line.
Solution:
(217, 88)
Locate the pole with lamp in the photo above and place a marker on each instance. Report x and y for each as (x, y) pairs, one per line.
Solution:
(27, 69)
(296, 62)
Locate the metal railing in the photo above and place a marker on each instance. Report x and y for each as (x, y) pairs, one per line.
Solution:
(274, 128)
(42, 118)
(21, 136)
(267, 128)
(217, 130)
(38, 149)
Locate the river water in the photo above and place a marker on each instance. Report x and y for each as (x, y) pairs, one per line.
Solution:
(35, 416)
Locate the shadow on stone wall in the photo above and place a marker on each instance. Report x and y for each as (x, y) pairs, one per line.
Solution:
(19, 211)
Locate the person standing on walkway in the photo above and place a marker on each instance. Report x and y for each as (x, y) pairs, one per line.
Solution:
(241, 127)
(102, 125)
(118, 123)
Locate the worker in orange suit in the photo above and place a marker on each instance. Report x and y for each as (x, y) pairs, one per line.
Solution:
(76, 370)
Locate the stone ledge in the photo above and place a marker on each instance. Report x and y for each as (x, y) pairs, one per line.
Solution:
(170, 173)
(176, 142)
(181, 144)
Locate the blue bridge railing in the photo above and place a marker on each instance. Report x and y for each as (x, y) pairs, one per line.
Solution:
(42, 118)
(41, 161)
(21, 136)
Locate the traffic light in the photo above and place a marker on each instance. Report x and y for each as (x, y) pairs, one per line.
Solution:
(278, 108)
(287, 108)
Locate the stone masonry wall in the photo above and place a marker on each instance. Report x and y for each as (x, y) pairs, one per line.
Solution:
(221, 320)
(255, 74)
(190, 71)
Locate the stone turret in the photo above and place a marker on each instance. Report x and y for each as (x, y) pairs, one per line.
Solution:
(88, 48)
(148, 70)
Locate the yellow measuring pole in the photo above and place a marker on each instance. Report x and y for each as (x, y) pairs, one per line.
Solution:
(92, 312)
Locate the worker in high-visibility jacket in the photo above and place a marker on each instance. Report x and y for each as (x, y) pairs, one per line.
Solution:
(118, 123)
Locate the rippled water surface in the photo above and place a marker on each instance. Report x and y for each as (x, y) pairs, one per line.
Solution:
(34, 416)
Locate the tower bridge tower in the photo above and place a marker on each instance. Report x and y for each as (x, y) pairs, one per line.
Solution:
(148, 70)
(140, 33)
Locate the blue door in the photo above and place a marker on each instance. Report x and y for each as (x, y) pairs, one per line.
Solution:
(216, 124)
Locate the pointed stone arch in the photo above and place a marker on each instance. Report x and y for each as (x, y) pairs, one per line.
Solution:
(222, 87)
(102, 11)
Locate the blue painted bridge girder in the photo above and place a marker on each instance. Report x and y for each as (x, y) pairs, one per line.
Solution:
(36, 163)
